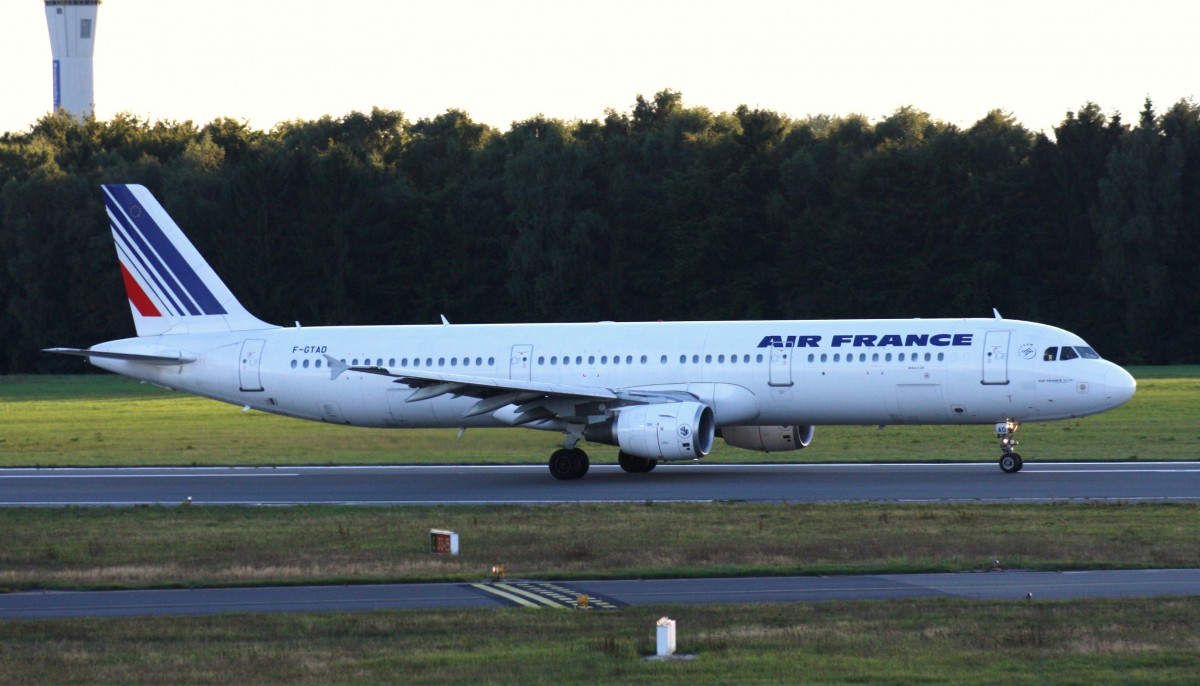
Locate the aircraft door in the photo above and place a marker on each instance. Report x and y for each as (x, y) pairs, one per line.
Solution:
(995, 357)
(520, 365)
(781, 366)
(248, 371)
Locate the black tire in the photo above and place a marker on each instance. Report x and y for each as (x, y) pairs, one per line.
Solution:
(582, 463)
(563, 465)
(1011, 463)
(635, 465)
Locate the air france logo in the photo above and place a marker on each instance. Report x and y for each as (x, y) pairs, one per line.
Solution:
(891, 340)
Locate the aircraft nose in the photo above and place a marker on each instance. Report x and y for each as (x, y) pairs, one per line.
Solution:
(1120, 385)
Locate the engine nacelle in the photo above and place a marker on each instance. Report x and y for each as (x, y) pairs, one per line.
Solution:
(660, 431)
(768, 439)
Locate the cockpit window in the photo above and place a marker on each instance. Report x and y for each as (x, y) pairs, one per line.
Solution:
(1068, 353)
(1051, 354)
(1087, 353)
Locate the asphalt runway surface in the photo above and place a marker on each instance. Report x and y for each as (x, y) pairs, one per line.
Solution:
(530, 484)
(603, 595)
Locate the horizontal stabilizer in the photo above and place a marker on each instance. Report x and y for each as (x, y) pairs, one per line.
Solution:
(176, 358)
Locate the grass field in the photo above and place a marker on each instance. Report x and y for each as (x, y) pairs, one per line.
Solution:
(104, 420)
(192, 546)
(934, 642)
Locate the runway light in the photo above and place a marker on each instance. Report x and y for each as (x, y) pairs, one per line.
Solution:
(497, 572)
(583, 602)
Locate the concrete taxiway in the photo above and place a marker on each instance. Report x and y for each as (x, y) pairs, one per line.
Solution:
(604, 595)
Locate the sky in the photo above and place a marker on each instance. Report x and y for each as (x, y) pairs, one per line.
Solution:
(267, 61)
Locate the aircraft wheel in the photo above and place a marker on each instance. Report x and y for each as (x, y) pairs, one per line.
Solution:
(1011, 463)
(568, 463)
(634, 464)
(581, 462)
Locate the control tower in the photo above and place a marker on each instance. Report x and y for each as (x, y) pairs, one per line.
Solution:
(72, 25)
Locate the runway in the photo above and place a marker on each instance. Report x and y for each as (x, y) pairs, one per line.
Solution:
(604, 595)
(532, 484)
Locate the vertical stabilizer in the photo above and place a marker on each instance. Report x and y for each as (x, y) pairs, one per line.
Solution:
(171, 288)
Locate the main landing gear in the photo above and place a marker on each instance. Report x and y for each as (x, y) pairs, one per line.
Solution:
(569, 463)
(634, 464)
(1010, 462)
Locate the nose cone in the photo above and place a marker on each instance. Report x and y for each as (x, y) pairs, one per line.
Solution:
(1119, 386)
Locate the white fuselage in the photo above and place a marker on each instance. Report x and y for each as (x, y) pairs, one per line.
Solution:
(900, 371)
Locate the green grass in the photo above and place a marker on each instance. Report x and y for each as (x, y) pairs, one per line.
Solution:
(101, 420)
(193, 546)
(1143, 641)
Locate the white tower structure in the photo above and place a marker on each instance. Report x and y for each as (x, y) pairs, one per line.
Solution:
(72, 25)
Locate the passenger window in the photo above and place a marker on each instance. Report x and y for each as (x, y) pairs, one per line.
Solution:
(662, 359)
(811, 357)
(541, 361)
(824, 357)
(683, 359)
(758, 358)
(928, 357)
(553, 360)
(862, 357)
(441, 362)
(428, 361)
(616, 359)
(591, 359)
(293, 364)
(695, 359)
(887, 357)
(391, 362)
(1051, 354)
(874, 357)
(733, 359)
(491, 361)
(708, 359)
(837, 357)
(720, 359)
(453, 361)
(566, 360)
(579, 359)
(941, 356)
(900, 357)
(629, 359)
(317, 364)
(1068, 353)
(306, 364)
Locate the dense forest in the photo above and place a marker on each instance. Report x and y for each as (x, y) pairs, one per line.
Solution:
(664, 212)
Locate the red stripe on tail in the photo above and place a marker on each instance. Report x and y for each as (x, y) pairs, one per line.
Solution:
(137, 296)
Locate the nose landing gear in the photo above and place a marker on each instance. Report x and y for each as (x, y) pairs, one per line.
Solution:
(1010, 462)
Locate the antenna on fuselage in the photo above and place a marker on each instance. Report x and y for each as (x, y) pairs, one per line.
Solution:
(996, 313)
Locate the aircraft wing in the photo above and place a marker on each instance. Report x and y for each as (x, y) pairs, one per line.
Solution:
(535, 400)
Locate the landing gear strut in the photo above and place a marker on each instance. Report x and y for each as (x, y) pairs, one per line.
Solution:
(1010, 462)
(569, 463)
(634, 464)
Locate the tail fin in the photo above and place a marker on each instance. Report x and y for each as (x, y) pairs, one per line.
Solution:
(171, 288)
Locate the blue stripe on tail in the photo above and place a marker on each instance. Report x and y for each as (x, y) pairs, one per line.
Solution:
(173, 267)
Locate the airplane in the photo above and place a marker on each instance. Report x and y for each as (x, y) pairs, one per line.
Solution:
(660, 391)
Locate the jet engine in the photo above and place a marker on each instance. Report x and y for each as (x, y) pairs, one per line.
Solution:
(768, 439)
(659, 431)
